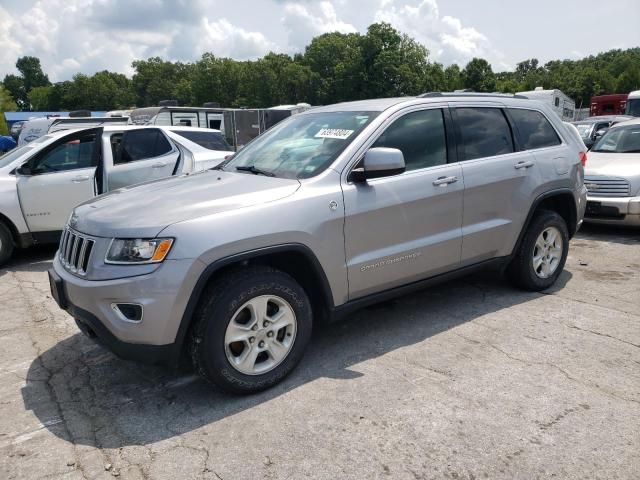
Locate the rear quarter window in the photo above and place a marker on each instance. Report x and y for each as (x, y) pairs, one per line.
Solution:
(534, 130)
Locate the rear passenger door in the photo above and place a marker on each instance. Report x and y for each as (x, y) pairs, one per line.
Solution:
(138, 156)
(499, 181)
(406, 227)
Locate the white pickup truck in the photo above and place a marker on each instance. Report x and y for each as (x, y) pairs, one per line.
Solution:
(42, 181)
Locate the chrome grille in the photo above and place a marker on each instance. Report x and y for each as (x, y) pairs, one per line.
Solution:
(607, 186)
(75, 251)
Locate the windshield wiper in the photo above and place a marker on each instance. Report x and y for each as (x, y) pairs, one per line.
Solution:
(255, 170)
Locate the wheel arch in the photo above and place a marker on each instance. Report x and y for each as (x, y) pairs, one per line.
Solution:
(17, 240)
(561, 201)
(294, 259)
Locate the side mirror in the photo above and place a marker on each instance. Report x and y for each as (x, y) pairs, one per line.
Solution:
(379, 162)
(24, 170)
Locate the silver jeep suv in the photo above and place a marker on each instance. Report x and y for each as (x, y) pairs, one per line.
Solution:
(328, 211)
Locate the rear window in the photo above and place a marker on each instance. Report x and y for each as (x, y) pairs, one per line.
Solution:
(484, 132)
(534, 129)
(137, 145)
(208, 140)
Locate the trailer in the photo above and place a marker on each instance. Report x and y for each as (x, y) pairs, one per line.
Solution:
(238, 125)
(564, 106)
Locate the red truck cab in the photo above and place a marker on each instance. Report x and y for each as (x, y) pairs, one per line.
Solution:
(608, 104)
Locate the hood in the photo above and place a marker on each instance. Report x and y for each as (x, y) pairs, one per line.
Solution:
(620, 165)
(145, 210)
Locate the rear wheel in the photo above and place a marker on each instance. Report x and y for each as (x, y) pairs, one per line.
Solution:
(6, 244)
(251, 329)
(543, 252)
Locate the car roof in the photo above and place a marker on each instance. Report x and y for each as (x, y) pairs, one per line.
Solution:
(111, 128)
(382, 104)
(600, 118)
(628, 123)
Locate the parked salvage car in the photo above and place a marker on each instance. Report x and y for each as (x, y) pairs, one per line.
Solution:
(612, 177)
(42, 181)
(330, 210)
(592, 128)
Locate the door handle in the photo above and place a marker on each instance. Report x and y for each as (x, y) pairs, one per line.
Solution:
(523, 164)
(158, 165)
(444, 181)
(80, 178)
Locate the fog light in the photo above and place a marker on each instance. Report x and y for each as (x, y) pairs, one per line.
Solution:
(131, 312)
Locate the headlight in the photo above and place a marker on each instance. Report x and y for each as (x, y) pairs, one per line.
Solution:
(138, 250)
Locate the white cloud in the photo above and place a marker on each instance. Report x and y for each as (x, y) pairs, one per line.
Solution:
(303, 22)
(446, 38)
(71, 36)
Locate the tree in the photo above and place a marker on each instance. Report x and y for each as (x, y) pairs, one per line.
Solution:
(394, 63)
(478, 76)
(629, 80)
(39, 98)
(6, 105)
(31, 76)
(453, 78)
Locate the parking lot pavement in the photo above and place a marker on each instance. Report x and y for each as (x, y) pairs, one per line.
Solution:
(468, 380)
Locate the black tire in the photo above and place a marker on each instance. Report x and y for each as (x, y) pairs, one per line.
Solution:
(6, 244)
(521, 269)
(219, 302)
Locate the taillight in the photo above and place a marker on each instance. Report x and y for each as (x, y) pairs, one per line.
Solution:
(583, 158)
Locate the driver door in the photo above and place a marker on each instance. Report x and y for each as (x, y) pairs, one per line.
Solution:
(56, 180)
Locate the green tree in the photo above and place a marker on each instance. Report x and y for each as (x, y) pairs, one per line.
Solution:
(39, 98)
(478, 76)
(453, 78)
(7, 104)
(31, 76)
(629, 80)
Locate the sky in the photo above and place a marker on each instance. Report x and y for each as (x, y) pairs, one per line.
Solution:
(71, 36)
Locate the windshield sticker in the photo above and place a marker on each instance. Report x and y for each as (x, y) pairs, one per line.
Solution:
(338, 133)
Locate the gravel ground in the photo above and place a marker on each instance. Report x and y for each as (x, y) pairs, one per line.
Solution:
(468, 380)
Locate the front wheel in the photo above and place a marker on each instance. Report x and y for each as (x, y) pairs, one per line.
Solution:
(251, 329)
(6, 244)
(543, 252)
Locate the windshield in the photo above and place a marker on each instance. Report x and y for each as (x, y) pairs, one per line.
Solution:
(583, 129)
(632, 107)
(620, 140)
(14, 154)
(208, 140)
(301, 146)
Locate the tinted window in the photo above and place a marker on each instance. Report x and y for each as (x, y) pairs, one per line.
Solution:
(420, 136)
(534, 129)
(139, 145)
(484, 132)
(209, 140)
(72, 153)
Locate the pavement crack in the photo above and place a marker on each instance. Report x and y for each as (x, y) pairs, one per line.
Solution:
(600, 334)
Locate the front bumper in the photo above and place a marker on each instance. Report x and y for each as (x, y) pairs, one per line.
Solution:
(163, 294)
(613, 210)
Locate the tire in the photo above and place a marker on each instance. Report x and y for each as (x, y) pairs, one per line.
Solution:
(226, 311)
(538, 264)
(6, 244)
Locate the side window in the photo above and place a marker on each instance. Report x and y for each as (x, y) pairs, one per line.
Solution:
(484, 132)
(71, 154)
(534, 129)
(420, 136)
(556, 102)
(139, 145)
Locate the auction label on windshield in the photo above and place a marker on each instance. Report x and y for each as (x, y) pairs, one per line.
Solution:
(338, 133)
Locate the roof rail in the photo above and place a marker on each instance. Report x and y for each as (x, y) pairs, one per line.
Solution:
(470, 94)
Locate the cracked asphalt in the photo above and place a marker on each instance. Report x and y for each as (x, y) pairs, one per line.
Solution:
(468, 380)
